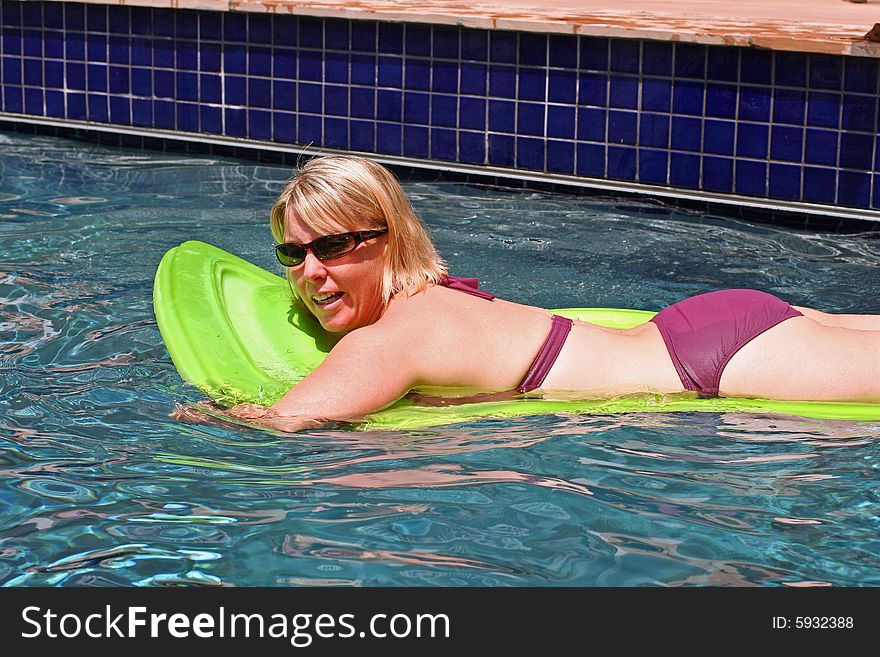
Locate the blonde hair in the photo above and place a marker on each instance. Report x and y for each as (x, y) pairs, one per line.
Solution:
(341, 193)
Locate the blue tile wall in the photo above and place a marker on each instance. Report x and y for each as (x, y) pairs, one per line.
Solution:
(771, 125)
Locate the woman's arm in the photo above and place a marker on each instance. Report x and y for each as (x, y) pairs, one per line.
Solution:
(242, 414)
(367, 370)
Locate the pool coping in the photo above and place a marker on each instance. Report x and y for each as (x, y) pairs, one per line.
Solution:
(814, 31)
(725, 203)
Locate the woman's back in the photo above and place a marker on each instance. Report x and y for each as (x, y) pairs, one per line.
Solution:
(466, 341)
(490, 345)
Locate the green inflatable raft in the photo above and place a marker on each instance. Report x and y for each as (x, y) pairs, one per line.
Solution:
(233, 332)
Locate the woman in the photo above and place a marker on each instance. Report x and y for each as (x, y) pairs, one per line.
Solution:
(360, 260)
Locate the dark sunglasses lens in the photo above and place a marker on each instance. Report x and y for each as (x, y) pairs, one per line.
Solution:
(290, 255)
(334, 246)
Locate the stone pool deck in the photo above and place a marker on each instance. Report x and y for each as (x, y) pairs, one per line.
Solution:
(820, 26)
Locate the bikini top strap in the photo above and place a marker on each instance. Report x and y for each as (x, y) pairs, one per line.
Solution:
(466, 285)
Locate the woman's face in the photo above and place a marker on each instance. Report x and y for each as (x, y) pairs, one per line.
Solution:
(345, 293)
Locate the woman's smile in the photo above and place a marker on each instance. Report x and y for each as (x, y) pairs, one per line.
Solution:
(327, 299)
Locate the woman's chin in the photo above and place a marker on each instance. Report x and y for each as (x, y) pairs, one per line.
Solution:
(344, 319)
(336, 324)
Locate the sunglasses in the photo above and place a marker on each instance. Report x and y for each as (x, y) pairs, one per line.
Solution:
(326, 247)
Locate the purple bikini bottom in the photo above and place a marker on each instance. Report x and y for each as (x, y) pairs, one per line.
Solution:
(703, 333)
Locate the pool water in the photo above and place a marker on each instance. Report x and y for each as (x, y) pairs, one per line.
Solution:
(99, 486)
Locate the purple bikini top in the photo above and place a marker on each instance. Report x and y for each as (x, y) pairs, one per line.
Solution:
(549, 352)
(466, 285)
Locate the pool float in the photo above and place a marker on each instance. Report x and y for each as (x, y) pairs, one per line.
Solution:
(233, 332)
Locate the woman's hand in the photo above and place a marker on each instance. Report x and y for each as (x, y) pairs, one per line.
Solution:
(269, 417)
(251, 411)
(244, 414)
(206, 413)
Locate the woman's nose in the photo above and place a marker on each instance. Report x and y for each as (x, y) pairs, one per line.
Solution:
(313, 268)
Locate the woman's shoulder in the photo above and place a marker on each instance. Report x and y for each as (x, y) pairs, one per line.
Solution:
(411, 328)
(426, 306)
(428, 314)
(441, 311)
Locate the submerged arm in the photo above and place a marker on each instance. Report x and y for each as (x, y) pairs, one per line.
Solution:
(366, 371)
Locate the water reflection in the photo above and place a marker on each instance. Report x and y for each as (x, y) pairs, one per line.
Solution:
(816, 433)
(320, 548)
(99, 487)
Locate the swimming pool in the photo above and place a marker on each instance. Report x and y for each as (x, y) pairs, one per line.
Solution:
(99, 486)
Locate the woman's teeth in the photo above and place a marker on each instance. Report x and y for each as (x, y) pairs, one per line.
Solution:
(324, 299)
